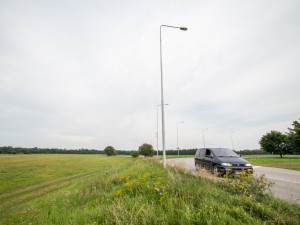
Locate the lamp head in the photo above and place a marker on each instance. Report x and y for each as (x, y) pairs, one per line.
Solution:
(183, 28)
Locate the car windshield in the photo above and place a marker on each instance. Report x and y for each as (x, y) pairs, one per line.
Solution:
(224, 152)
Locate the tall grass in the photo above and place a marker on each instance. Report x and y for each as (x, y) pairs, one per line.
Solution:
(143, 192)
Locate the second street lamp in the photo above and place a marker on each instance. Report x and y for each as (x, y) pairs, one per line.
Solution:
(162, 93)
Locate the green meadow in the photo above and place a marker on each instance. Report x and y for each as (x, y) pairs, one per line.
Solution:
(19, 171)
(96, 189)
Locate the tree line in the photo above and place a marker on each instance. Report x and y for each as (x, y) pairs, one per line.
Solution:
(36, 150)
(252, 152)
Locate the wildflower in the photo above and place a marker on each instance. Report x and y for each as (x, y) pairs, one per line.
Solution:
(117, 193)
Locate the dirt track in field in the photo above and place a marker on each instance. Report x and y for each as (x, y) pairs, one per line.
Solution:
(20, 195)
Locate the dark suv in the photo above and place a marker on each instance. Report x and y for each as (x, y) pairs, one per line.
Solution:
(221, 160)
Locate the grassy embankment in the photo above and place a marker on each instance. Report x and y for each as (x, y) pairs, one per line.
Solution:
(287, 162)
(141, 191)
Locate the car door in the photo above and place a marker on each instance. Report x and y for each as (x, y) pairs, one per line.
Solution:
(207, 161)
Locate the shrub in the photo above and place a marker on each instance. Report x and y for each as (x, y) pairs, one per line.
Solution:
(146, 150)
(110, 151)
(135, 154)
(246, 184)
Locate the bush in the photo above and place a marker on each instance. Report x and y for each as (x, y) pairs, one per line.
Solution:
(135, 154)
(246, 184)
(146, 150)
(110, 151)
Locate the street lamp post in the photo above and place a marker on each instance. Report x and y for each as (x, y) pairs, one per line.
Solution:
(157, 128)
(162, 93)
(177, 135)
(203, 136)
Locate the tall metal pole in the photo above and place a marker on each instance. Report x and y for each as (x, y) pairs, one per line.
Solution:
(162, 94)
(162, 104)
(157, 129)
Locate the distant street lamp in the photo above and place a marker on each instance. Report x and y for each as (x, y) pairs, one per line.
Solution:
(203, 136)
(157, 128)
(162, 93)
(231, 139)
(177, 135)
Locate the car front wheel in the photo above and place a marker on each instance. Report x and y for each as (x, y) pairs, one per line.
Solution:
(214, 170)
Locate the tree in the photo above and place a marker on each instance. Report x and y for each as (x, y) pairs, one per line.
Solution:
(146, 150)
(294, 136)
(275, 142)
(110, 151)
(135, 154)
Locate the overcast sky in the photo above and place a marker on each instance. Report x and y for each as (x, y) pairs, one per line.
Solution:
(86, 74)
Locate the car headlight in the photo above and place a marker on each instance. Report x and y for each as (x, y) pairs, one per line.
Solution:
(248, 164)
(226, 164)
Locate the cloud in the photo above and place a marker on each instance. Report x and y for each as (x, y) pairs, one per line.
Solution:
(76, 74)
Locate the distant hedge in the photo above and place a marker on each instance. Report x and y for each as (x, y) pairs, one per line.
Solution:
(35, 150)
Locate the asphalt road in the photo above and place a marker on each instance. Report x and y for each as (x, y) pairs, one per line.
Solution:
(287, 182)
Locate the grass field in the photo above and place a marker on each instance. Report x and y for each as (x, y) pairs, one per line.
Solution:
(28, 176)
(122, 190)
(287, 162)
